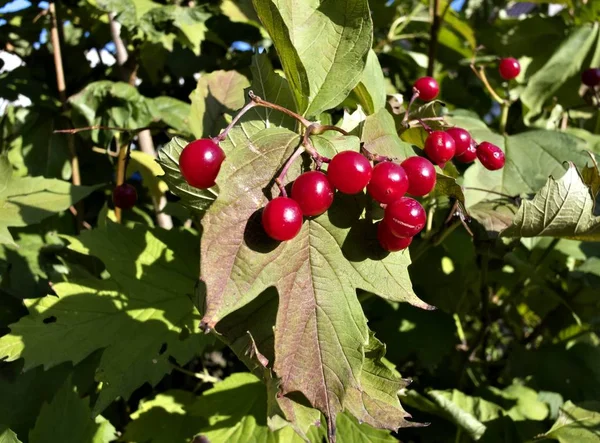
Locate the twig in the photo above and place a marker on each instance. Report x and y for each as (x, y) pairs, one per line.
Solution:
(204, 376)
(223, 135)
(481, 76)
(412, 100)
(255, 98)
(93, 128)
(121, 170)
(281, 177)
(433, 40)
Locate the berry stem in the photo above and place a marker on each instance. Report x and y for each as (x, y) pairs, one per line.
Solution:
(425, 125)
(281, 177)
(504, 117)
(259, 101)
(374, 157)
(309, 147)
(412, 100)
(223, 135)
(480, 73)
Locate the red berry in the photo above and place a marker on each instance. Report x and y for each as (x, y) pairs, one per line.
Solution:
(428, 88)
(421, 175)
(200, 162)
(405, 217)
(591, 77)
(462, 139)
(349, 172)
(282, 218)
(469, 155)
(389, 241)
(509, 68)
(490, 156)
(124, 196)
(313, 193)
(388, 182)
(439, 147)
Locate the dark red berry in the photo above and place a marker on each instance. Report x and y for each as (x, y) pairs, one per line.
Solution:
(462, 139)
(389, 241)
(313, 193)
(388, 182)
(439, 147)
(124, 196)
(509, 68)
(282, 218)
(405, 217)
(469, 155)
(200, 162)
(490, 156)
(349, 172)
(428, 88)
(421, 175)
(591, 77)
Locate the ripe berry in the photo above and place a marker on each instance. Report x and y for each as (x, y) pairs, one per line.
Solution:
(388, 182)
(421, 175)
(124, 196)
(439, 147)
(509, 68)
(428, 88)
(349, 172)
(389, 241)
(313, 193)
(200, 162)
(490, 156)
(282, 218)
(469, 155)
(462, 139)
(591, 77)
(405, 217)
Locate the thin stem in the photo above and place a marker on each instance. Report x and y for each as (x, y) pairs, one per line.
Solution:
(121, 171)
(425, 125)
(308, 146)
(259, 101)
(281, 177)
(489, 191)
(481, 76)
(92, 128)
(504, 117)
(204, 376)
(223, 135)
(412, 100)
(319, 129)
(434, 31)
(374, 157)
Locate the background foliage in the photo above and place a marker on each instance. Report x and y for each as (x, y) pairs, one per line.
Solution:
(100, 336)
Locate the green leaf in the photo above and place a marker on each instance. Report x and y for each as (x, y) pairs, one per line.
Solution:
(79, 426)
(562, 208)
(320, 328)
(372, 87)
(217, 94)
(193, 198)
(150, 171)
(8, 436)
(29, 200)
(379, 136)
(142, 311)
(340, 31)
(577, 423)
(459, 407)
(351, 431)
(174, 113)
(566, 62)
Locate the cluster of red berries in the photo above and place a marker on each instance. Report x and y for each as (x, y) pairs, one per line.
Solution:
(443, 146)
(591, 77)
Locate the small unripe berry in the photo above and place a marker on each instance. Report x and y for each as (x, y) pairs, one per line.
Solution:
(313, 193)
(421, 175)
(428, 88)
(469, 155)
(490, 156)
(349, 172)
(388, 182)
(200, 162)
(509, 68)
(124, 196)
(591, 77)
(282, 218)
(405, 217)
(440, 147)
(462, 139)
(389, 241)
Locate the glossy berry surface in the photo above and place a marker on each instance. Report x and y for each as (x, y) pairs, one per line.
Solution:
(388, 182)
(428, 88)
(469, 155)
(349, 172)
(389, 241)
(124, 196)
(591, 77)
(509, 68)
(282, 218)
(490, 156)
(462, 139)
(421, 175)
(405, 217)
(439, 147)
(313, 193)
(200, 162)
